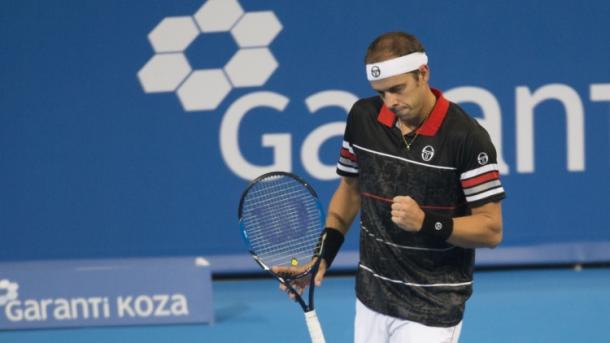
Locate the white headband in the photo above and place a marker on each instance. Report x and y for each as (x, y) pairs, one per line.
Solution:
(396, 66)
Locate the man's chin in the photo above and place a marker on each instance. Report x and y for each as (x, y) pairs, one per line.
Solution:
(405, 116)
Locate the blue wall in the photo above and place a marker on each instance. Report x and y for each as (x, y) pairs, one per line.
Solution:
(92, 165)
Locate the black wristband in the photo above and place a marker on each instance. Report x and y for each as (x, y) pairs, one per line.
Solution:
(331, 240)
(437, 226)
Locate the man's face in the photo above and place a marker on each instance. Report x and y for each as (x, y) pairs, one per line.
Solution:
(402, 94)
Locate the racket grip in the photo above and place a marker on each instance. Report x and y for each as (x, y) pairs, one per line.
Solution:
(315, 330)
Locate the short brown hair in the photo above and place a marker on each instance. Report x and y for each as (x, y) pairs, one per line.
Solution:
(390, 45)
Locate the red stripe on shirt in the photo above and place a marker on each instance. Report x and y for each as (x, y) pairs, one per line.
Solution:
(480, 179)
(345, 153)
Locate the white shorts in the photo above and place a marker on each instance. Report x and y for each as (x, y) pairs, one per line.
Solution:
(373, 327)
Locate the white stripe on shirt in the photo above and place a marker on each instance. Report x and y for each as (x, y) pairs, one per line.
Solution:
(478, 171)
(402, 246)
(347, 169)
(482, 187)
(411, 284)
(485, 194)
(403, 159)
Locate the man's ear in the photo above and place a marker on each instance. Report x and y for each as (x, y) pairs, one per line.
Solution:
(424, 73)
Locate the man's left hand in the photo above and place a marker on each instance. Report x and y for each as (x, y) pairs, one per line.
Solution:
(407, 214)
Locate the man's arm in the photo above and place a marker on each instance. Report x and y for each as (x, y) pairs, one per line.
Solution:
(483, 228)
(344, 205)
(342, 209)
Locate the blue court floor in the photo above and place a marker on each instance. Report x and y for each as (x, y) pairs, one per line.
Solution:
(542, 305)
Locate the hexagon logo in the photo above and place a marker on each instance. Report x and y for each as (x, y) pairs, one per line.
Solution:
(240, 70)
(8, 291)
(164, 72)
(256, 29)
(252, 65)
(218, 15)
(173, 34)
(204, 90)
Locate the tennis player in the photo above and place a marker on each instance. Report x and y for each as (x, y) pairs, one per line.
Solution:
(424, 176)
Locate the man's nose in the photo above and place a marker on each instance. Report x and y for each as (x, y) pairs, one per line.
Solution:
(390, 100)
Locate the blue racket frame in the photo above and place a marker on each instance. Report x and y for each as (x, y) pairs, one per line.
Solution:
(287, 279)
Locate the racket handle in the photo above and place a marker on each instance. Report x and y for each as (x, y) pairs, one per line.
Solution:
(315, 330)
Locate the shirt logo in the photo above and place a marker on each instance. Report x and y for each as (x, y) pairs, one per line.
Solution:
(375, 71)
(427, 153)
(483, 158)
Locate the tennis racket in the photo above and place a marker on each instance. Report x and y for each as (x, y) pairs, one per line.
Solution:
(281, 220)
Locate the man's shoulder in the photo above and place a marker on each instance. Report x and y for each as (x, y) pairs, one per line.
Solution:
(462, 128)
(461, 121)
(459, 116)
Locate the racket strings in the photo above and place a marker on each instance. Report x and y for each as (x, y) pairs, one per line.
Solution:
(282, 220)
(281, 249)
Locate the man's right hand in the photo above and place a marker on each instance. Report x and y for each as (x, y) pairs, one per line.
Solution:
(301, 284)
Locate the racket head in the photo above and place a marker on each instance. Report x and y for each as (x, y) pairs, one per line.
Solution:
(281, 220)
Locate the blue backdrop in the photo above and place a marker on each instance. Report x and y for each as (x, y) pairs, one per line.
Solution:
(124, 134)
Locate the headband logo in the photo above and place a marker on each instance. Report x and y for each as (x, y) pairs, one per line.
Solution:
(375, 71)
(396, 66)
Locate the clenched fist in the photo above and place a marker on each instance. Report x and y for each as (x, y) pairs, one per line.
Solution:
(407, 214)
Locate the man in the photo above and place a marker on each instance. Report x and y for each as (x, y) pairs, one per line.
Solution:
(424, 176)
